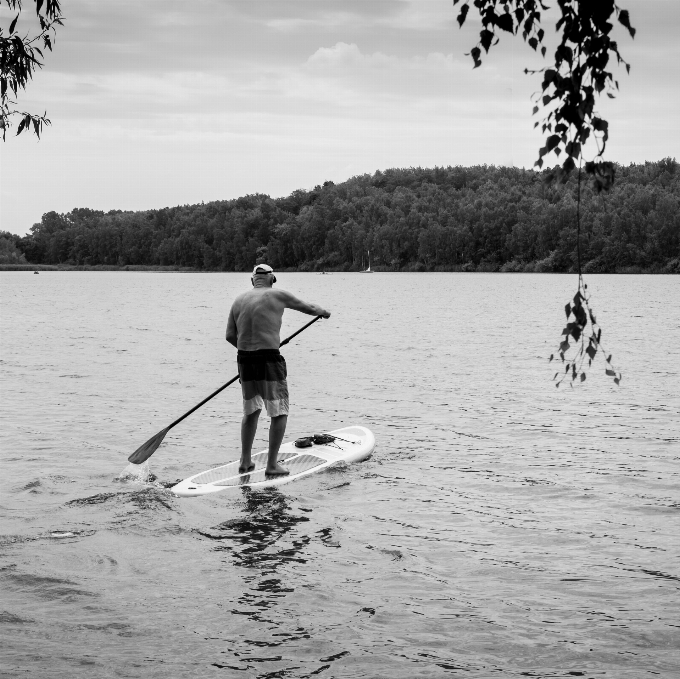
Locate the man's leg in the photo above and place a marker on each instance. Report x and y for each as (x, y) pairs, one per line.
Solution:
(248, 430)
(277, 429)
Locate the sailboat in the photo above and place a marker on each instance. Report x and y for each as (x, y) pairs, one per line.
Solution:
(369, 264)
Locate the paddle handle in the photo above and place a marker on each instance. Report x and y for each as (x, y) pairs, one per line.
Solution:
(304, 327)
(233, 379)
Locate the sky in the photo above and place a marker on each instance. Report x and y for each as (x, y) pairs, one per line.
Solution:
(162, 103)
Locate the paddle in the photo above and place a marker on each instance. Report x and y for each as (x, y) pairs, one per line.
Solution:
(145, 451)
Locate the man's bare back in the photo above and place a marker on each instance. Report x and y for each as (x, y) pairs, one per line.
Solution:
(254, 328)
(255, 317)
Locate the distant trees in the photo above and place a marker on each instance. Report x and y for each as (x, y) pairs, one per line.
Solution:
(9, 253)
(456, 218)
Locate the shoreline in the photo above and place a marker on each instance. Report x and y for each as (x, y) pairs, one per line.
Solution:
(668, 270)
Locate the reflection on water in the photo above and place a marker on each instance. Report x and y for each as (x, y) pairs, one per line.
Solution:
(501, 526)
(260, 541)
(254, 538)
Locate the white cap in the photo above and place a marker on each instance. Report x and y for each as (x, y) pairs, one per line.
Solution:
(262, 268)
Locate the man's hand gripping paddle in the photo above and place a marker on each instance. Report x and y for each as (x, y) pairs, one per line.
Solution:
(145, 451)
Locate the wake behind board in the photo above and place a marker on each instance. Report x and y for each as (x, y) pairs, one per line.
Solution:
(352, 444)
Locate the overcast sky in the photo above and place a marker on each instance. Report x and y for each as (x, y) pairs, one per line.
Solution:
(161, 103)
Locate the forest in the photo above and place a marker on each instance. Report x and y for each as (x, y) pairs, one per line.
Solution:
(481, 218)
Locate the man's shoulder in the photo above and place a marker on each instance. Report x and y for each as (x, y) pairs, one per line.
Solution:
(279, 292)
(238, 299)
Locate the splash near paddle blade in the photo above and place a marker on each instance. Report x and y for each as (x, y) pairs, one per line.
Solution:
(146, 450)
(138, 473)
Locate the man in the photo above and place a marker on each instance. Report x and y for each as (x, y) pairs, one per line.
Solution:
(253, 328)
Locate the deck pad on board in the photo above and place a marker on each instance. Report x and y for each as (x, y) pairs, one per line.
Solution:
(228, 470)
(296, 465)
(352, 444)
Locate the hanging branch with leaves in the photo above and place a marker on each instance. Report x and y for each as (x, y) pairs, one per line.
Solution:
(569, 90)
(580, 308)
(19, 57)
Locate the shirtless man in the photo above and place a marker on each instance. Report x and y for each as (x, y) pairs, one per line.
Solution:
(253, 328)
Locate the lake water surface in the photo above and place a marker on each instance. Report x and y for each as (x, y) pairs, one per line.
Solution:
(502, 527)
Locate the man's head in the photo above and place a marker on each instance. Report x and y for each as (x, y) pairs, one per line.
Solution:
(263, 274)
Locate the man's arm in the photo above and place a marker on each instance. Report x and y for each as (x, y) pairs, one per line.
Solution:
(292, 302)
(232, 332)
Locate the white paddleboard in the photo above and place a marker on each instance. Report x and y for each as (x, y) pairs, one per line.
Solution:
(352, 444)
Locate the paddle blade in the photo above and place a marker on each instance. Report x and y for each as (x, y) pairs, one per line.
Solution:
(146, 450)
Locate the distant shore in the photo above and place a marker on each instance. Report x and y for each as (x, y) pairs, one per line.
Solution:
(99, 267)
(466, 268)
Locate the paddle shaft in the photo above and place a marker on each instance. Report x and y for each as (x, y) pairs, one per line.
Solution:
(233, 379)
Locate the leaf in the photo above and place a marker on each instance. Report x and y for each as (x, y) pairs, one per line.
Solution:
(485, 37)
(580, 316)
(552, 141)
(564, 346)
(611, 373)
(551, 357)
(549, 77)
(463, 13)
(39, 6)
(616, 380)
(624, 19)
(591, 351)
(599, 124)
(556, 374)
(504, 22)
(11, 30)
(567, 309)
(609, 358)
(583, 377)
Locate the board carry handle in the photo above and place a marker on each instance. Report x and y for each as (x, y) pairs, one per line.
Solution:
(146, 450)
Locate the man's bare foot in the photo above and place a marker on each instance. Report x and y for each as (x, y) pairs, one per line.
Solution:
(245, 468)
(277, 471)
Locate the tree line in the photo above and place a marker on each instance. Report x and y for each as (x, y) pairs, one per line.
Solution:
(481, 218)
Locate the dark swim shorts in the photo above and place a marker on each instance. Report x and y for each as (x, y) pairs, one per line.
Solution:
(263, 381)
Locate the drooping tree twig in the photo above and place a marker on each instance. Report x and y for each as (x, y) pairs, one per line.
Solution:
(568, 92)
(19, 57)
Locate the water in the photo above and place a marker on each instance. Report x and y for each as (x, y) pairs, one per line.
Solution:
(502, 527)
